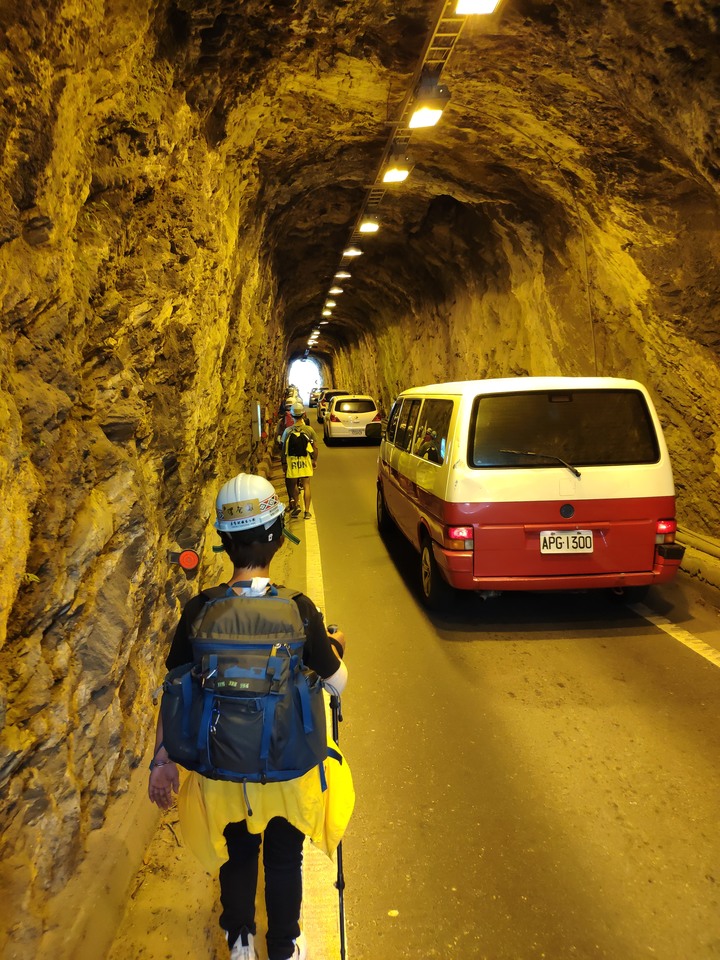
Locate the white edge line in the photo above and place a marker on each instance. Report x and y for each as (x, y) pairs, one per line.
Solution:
(677, 633)
(319, 872)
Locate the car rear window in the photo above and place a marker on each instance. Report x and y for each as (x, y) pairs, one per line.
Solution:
(354, 406)
(580, 427)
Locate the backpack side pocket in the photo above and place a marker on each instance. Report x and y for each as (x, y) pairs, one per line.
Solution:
(181, 711)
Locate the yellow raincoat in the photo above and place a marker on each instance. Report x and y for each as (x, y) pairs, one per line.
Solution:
(207, 806)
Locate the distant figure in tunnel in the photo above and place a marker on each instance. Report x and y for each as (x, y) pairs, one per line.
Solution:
(299, 453)
(224, 820)
(285, 420)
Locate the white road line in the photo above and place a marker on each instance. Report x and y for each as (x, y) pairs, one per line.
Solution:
(677, 633)
(320, 910)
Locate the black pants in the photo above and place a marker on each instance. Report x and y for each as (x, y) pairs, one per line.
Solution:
(282, 858)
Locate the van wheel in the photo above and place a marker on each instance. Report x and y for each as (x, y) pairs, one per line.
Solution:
(384, 521)
(436, 592)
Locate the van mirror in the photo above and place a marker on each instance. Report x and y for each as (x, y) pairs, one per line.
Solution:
(374, 430)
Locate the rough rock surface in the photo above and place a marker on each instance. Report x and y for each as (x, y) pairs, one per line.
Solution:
(178, 181)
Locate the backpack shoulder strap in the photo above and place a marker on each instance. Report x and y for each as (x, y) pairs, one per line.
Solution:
(286, 592)
(211, 593)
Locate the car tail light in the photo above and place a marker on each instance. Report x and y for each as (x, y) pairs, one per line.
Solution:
(459, 538)
(665, 531)
(334, 419)
(377, 418)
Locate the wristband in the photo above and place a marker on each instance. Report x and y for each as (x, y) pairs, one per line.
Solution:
(158, 763)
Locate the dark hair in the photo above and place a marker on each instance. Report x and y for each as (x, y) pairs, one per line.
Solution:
(254, 547)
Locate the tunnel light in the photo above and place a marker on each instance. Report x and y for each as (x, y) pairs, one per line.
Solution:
(395, 174)
(476, 6)
(329, 304)
(323, 322)
(398, 168)
(431, 98)
(335, 290)
(342, 275)
(326, 313)
(369, 224)
(352, 252)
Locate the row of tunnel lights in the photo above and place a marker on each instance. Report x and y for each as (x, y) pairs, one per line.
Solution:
(429, 101)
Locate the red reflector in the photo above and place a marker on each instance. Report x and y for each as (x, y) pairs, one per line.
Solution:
(460, 533)
(667, 526)
(188, 559)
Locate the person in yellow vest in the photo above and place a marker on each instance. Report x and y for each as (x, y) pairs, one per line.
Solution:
(223, 821)
(299, 458)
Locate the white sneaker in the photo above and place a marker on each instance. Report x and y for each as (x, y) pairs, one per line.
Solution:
(300, 952)
(244, 948)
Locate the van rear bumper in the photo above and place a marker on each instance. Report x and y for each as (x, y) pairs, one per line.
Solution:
(457, 567)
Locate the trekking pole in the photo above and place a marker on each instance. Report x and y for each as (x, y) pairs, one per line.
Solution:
(340, 882)
(336, 711)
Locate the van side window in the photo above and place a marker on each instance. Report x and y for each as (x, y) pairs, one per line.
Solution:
(431, 437)
(406, 423)
(392, 421)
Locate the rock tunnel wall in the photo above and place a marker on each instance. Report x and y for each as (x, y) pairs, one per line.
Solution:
(137, 328)
(141, 318)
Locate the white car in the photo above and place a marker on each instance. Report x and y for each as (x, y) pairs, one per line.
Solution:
(325, 399)
(347, 416)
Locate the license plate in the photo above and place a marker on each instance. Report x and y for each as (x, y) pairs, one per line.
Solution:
(358, 433)
(566, 541)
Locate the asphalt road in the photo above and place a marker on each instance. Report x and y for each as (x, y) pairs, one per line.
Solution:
(537, 775)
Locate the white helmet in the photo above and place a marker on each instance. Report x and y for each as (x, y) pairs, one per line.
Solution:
(247, 501)
(297, 409)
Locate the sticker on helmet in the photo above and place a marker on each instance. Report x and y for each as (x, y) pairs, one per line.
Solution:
(244, 509)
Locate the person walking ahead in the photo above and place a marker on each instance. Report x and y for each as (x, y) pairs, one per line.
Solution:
(225, 820)
(299, 458)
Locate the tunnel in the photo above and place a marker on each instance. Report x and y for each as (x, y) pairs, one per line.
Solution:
(183, 184)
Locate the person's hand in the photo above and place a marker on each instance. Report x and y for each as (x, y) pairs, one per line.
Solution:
(337, 636)
(164, 782)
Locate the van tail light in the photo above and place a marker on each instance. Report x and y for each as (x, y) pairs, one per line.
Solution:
(459, 538)
(334, 419)
(665, 531)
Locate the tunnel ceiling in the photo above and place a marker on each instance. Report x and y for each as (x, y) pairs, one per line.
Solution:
(558, 110)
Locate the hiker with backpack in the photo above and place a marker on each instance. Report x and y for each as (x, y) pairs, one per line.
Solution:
(241, 710)
(299, 453)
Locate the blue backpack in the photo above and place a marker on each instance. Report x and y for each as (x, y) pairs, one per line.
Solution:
(246, 709)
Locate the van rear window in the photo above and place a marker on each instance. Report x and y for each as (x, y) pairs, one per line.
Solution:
(579, 427)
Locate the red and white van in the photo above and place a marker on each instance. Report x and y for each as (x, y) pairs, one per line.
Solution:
(530, 483)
